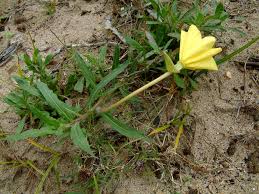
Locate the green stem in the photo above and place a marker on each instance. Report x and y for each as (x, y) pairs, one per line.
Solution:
(136, 92)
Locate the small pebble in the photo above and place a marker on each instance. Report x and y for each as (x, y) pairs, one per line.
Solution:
(228, 75)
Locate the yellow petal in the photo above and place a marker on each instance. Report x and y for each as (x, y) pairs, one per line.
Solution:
(195, 32)
(192, 42)
(208, 63)
(200, 47)
(205, 54)
(188, 41)
(183, 44)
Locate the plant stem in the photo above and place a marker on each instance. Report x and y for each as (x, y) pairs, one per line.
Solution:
(136, 92)
(177, 140)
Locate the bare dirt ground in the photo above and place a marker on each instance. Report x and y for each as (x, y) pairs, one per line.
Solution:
(222, 142)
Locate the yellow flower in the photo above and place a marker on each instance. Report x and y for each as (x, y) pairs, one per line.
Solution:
(197, 52)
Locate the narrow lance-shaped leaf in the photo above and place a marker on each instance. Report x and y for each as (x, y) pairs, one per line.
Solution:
(86, 71)
(134, 44)
(20, 126)
(79, 139)
(44, 117)
(79, 87)
(24, 85)
(122, 128)
(152, 42)
(102, 55)
(48, 59)
(15, 99)
(32, 133)
(106, 80)
(62, 108)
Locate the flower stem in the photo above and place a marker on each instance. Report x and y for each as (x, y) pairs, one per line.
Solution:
(136, 92)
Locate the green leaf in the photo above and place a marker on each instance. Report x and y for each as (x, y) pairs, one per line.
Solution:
(62, 108)
(14, 99)
(32, 133)
(175, 35)
(122, 128)
(194, 84)
(236, 52)
(153, 22)
(169, 63)
(241, 32)
(179, 81)
(44, 117)
(107, 79)
(80, 139)
(152, 41)
(134, 44)
(102, 55)
(24, 85)
(48, 59)
(116, 57)
(79, 87)
(86, 71)
(28, 62)
(20, 126)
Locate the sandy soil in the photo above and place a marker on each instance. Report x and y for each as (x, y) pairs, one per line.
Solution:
(223, 135)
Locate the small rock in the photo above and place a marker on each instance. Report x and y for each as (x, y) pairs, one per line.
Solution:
(228, 75)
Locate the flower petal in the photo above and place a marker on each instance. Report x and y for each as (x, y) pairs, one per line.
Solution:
(207, 63)
(183, 44)
(192, 42)
(206, 54)
(202, 46)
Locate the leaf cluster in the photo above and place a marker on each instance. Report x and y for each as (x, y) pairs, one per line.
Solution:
(46, 111)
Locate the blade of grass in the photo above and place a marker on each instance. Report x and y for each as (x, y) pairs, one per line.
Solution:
(31, 164)
(236, 52)
(96, 186)
(42, 147)
(53, 163)
(159, 129)
(177, 140)
(116, 57)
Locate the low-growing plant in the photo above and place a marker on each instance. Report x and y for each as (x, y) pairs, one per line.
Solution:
(46, 109)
